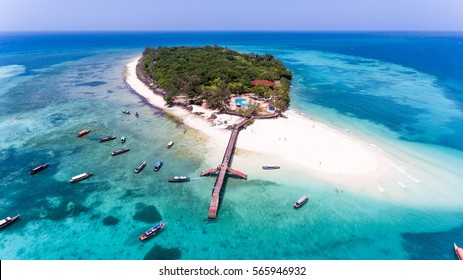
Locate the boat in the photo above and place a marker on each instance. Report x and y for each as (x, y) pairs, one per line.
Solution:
(176, 179)
(170, 144)
(270, 167)
(81, 177)
(140, 167)
(120, 151)
(136, 114)
(38, 168)
(158, 165)
(107, 138)
(123, 139)
(7, 221)
(83, 132)
(458, 251)
(301, 201)
(126, 112)
(152, 231)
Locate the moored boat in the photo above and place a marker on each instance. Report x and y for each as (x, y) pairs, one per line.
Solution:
(81, 177)
(123, 139)
(83, 132)
(270, 167)
(301, 201)
(140, 167)
(177, 179)
(136, 114)
(38, 168)
(152, 231)
(120, 151)
(170, 144)
(458, 251)
(158, 165)
(126, 112)
(107, 138)
(7, 221)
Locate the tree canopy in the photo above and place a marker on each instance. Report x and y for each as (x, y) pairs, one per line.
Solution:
(213, 73)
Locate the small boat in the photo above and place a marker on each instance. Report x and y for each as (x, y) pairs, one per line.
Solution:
(170, 144)
(270, 167)
(7, 221)
(107, 138)
(158, 165)
(140, 167)
(126, 112)
(81, 177)
(301, 201)
(177, 179)
(83, 132)
(136, 114)
(38, 168)
(120, 151)
(152, 231)
(123, 139)
(458, 251)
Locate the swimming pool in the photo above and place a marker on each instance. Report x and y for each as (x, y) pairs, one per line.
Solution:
(241, 102)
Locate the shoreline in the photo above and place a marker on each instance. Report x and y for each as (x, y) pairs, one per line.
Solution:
(297, 139)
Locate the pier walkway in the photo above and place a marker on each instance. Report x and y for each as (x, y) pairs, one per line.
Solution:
(222, 170)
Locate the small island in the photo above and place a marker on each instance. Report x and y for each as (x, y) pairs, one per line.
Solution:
(217, 78)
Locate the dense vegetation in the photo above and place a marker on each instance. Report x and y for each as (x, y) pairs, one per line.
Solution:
(214, 73)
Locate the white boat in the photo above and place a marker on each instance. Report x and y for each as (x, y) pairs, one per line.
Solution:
(301, 201)
(81, 177)
(170, 144)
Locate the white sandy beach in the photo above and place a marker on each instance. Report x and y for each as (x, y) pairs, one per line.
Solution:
(297, 138)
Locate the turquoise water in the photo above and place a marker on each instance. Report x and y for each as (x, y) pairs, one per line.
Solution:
(386, 88)
(242, 102)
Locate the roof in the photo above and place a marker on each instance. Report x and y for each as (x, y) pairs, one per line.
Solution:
(263, 82)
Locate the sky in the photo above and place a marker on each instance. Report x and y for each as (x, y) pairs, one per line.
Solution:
(278, 15)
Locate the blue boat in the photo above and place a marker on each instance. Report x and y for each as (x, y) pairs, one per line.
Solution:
(158, 165)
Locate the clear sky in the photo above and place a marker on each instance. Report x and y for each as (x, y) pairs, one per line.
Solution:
(328, 15)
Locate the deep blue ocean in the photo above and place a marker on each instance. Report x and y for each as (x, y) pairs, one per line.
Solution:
(401, 90)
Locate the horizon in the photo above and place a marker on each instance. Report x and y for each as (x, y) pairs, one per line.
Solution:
(241, 15)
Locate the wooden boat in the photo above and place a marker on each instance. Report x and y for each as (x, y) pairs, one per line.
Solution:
(123, 139)
(126, 112)
(83, 132)
(177, 179)
(120, 151)
(38, 168)
(152, 231)
(8, 221)
(270, 167)
(170, 144)
(140, 167)
(301, 201)
(458, 251)
(158, 165)
(81, 177)
(107, 138)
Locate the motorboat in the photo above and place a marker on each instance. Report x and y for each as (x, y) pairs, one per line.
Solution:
(38, 168)
(120, 151)
(81, 177)
(140, 167)
(301, 201)
(152, 231)
(177, 179)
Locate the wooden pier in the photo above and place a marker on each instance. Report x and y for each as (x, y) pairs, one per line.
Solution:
(222, 170)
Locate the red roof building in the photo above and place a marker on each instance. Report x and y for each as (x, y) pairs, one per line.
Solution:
(263, 82)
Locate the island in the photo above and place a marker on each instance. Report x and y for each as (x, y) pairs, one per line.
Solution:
(217, 78)
(295, 142)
